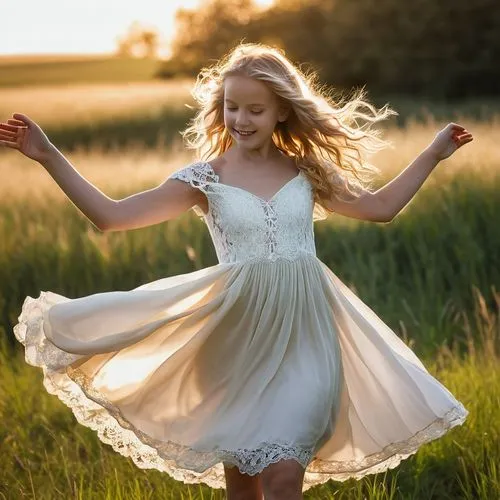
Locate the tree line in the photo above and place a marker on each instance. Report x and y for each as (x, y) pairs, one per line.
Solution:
(448, 49)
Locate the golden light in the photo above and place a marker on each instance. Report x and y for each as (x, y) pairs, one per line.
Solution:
(264, 3)
(90, 27)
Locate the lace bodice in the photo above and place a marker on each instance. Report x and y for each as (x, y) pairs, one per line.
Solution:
(244, 226)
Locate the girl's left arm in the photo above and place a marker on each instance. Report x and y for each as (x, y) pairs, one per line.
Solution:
(385, 203)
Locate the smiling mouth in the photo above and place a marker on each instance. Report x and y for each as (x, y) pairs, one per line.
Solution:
(244, 133)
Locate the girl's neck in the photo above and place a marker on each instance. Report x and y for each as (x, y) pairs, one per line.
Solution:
(265, 155)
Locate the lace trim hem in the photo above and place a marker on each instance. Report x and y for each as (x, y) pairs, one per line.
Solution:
(391, 455)
(181, 462)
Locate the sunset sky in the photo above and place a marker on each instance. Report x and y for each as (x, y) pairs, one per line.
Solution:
(89, 27)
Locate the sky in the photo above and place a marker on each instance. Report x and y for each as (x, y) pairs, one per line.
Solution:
(82, 27)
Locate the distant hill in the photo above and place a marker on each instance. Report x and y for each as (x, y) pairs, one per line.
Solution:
(53, 69)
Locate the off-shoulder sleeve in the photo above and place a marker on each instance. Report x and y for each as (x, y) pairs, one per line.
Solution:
(198, 175)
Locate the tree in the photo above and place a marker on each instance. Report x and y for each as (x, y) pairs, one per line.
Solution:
(139, 41)
(210, 31)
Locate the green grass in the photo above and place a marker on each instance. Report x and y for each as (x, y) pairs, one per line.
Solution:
(47, 454)
(430, 274)
(433, 275)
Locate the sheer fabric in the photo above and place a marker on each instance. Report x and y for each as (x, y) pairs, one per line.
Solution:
(264, 356)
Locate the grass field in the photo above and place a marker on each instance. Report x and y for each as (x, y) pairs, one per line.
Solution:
(433, 275)
(40, 70)
(107, 102)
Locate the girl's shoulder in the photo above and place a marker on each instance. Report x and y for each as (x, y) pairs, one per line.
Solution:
(197, 173)
(201, 171)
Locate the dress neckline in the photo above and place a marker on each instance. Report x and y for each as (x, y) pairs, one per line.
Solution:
(260, 198)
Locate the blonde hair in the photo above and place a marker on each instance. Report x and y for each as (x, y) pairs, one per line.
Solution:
(318, 133)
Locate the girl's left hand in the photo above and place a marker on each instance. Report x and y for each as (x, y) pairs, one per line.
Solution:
(448, 140)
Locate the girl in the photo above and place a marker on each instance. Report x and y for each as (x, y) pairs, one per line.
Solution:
(264, 370)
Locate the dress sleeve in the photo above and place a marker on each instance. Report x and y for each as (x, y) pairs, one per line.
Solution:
(198, 175)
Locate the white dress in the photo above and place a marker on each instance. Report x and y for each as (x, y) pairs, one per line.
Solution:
(264, 356)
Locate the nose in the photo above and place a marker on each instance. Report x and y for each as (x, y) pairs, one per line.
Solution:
(242, 119)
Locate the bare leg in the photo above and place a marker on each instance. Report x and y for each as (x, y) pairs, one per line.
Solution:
(240, 486)
(283, 480)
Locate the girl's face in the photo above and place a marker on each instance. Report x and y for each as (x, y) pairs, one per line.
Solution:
(251, 111)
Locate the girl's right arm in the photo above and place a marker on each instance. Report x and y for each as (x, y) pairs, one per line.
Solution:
(146, 208)
(164, 202)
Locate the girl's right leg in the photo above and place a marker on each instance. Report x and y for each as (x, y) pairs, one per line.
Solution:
(240, 486)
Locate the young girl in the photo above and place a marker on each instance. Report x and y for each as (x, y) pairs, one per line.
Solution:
(264, 370)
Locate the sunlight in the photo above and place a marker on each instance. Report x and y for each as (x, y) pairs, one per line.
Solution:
(129, 368)
(61, 27)
(264, 3)
(125, 373)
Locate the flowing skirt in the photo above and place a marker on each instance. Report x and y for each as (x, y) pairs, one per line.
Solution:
(238, 364)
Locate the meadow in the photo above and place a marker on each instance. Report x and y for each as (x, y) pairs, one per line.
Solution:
(432, 274)
(59, 69)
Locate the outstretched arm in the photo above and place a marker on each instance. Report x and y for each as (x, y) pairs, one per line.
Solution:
(146, 208)
(164, 202)
(396, 194)
(92, 202)
(385, 203)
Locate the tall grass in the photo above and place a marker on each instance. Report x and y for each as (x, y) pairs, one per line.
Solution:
(113, 114)
(46, 454)
(104, 115)
(433, 275)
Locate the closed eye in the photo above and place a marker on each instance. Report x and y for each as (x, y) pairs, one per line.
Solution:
(253, 112)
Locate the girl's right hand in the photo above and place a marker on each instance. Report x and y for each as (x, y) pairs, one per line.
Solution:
(23, 134)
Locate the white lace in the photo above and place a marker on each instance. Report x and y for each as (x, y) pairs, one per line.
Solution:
(183, 463)
(197, 174)
(235, 217)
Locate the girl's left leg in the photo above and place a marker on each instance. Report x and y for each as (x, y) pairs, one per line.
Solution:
(283, 480)
(240, 486)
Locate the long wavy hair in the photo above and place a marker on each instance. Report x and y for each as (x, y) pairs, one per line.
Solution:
(321, 132)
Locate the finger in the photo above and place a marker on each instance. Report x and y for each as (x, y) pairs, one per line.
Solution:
(8, 136)
(13, 128)
(455, 126)
(7, 131)
(9, 144)
(16, 122)
(22, 118)
(464, 141)
(5, 137)
(16, 136)
(458, 135)
(8, 139)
